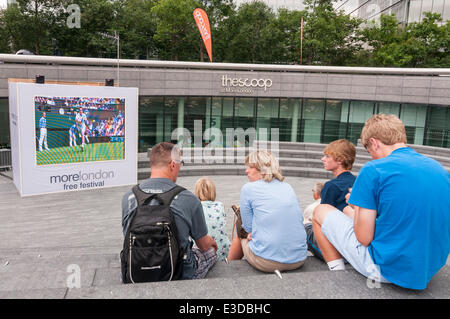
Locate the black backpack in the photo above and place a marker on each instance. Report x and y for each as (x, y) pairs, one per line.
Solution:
(151, 251)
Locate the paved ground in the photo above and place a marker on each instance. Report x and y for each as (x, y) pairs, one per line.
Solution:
(41, 235)
(91, 220)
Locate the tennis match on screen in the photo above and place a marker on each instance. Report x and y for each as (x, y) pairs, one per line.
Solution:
(79, 129)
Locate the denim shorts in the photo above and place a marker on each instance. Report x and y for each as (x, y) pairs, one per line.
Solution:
(338, 229)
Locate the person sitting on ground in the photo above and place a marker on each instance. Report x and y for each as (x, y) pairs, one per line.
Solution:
(401, 227)
(271, 215)
(338, 158)
(308, 213)
(215, 215)
(165, 163)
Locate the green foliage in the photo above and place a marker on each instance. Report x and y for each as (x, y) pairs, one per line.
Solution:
(424, 44)
(330, 37)
(251, 33)
(253, 37)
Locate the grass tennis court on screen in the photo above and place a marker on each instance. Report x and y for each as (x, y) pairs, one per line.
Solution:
(92, 153)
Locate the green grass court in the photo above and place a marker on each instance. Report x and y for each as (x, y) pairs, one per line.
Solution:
(92, 153)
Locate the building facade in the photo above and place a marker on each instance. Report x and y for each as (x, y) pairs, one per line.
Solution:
(407, 11)
(303, 103)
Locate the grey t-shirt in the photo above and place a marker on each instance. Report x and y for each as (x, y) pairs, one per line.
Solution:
(187, 211)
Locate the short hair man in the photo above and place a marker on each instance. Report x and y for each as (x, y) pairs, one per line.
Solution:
(338, 158)
(401, 227)
(165, 162)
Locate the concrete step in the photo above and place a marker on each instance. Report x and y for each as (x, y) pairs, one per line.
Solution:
(47, 277)
(323, 285)
(212, 170)
(51, 272)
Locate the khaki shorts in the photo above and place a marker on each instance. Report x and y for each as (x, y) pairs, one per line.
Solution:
(266, 265)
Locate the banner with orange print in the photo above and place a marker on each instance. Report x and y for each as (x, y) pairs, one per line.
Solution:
(202, 20)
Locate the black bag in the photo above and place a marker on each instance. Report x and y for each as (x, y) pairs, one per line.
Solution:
(151, 251)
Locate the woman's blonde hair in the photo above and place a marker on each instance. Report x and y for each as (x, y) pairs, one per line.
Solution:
(205, 189)
(266, 164)
(387, 128)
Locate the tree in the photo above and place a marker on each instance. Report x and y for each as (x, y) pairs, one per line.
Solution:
(27, 24)
(429, 42)
(253, 36)
(176, 33)
(4, 44)
(137, 25)
(289, 24)
(424, 44)
(330, 37)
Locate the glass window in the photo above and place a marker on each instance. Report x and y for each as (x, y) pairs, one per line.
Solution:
(290, 110)
(438, 127)
(313, 111)
(267, 118)
(360, 112)
(171, 116)
(438, 6)
(387, 108)
(4, 124)
(195, 110)
(446, 14)
(335, 121)
(151, 122)
(414, 116)
(244, 118)
(426, 7)
(415, 8)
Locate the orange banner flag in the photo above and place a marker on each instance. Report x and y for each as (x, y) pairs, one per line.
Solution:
(202, 20)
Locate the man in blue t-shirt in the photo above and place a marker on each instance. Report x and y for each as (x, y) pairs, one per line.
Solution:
(338, 158)
(401, 227)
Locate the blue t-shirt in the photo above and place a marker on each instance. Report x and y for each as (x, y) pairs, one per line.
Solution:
(271, 212)
(334, 191)
(411, 194)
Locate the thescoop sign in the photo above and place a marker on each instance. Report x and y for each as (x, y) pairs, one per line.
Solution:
(246, 82)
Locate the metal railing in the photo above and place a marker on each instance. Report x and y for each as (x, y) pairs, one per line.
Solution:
(5, 158)
(124, 63)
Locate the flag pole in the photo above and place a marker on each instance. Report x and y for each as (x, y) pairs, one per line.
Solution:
(301, 42)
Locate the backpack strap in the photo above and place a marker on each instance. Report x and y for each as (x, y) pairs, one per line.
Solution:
(142, 197)
(165, 198)
(169, 196)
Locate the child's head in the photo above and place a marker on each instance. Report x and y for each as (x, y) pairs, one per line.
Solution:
(342, 151)
(205, 189)
(317, 190)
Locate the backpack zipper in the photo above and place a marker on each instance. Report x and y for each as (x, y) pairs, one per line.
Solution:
(132, 239)
(170, 251)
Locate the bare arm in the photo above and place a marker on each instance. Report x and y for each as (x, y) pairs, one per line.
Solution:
(205, 243)
(364, 224)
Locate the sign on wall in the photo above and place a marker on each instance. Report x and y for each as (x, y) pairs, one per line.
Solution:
(72, 137)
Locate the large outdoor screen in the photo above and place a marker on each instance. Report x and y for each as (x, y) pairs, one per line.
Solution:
(79, 129)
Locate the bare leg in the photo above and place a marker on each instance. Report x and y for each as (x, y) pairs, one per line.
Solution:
(329, 253)
(235, 252)
(349, 211)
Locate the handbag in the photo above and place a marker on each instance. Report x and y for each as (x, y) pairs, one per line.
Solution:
(241, 233)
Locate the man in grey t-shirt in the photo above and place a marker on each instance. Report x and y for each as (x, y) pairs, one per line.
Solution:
(165, 161)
